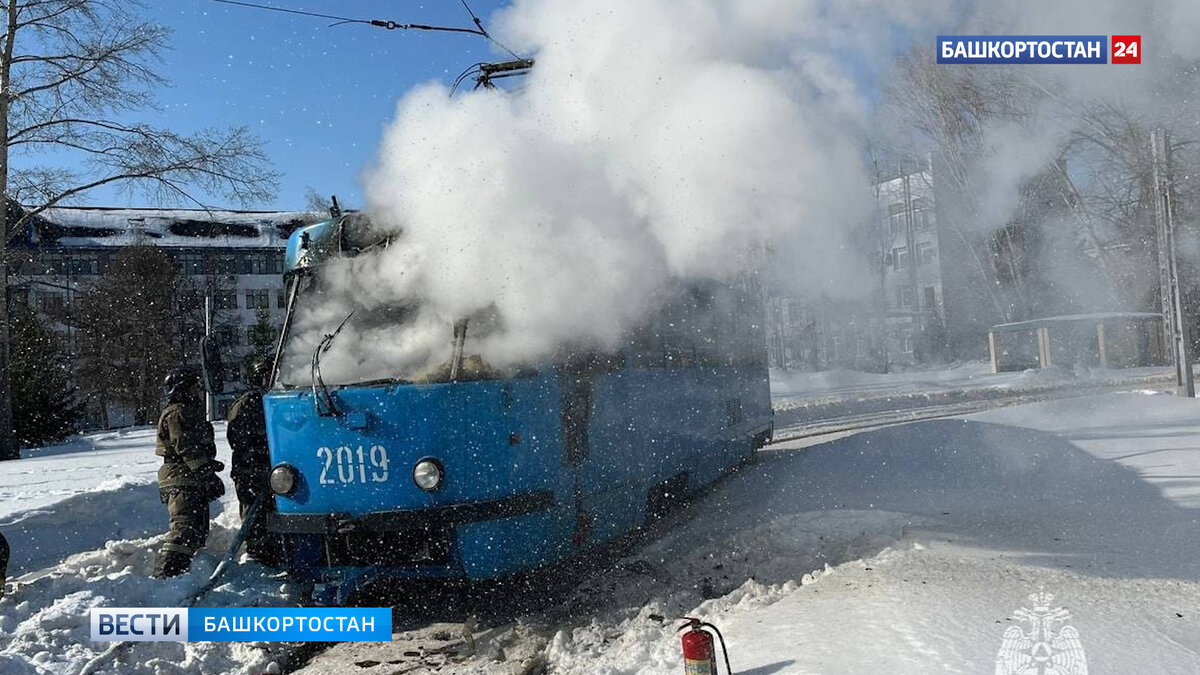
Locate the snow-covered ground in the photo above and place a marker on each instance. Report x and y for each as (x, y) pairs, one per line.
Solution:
(904, 549)
(840, 381)
(808, 404)
(89, 512)
(794, 389)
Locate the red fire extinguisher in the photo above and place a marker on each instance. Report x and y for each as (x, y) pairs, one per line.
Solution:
(699, 656)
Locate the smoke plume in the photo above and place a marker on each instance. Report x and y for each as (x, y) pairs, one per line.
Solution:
(653, 140)
(661, 139)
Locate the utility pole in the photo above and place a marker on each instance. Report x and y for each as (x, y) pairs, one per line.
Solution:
(910, 242)
(209, 402)
(1174, 314)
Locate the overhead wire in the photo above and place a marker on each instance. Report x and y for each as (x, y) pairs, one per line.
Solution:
(479, 25)
(339, 19)
(381, 23)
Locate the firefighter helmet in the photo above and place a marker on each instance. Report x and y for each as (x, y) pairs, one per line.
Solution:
(181, 379)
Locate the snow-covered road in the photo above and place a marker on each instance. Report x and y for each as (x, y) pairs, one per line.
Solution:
(905, 549)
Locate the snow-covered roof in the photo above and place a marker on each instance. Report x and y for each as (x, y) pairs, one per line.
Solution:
(97, 227)
(1081, 318)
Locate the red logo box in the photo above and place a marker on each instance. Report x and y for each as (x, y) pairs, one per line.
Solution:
(1127, 49)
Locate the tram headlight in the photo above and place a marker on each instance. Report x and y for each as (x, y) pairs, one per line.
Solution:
(428, 474)
(284, 479)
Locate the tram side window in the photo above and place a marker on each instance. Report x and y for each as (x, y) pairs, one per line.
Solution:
(646, 348)
(707, 335)
(679, 344)
(740, 330)
(680, 335)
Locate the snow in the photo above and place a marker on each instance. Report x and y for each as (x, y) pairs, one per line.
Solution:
(905, 549)
(835, 400)
(133, 225)
(88, 511)
(902, 549)
(800, 389)
(791, 384)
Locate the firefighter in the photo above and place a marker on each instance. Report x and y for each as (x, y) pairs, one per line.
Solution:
(187, 480)
(247, 435)
(3, 563)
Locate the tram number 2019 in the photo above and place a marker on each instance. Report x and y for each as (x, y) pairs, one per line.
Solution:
(347, 465)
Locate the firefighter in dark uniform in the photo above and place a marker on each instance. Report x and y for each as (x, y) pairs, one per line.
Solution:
(247, 435)
(3, 563)
(187, 480)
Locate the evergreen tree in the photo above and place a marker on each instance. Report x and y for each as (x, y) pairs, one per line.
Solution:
(134, 326)
(261, 336)
(45, 405)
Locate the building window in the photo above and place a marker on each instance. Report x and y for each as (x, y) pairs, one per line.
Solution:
(906, 343)
(925, 253)
(260, 299)
(280, 299)
(50, 301)
(85, 264)
(930, 298)
(229, 335)
(262, 262)
(191, 263)
(223, 263)
(896, 220)
(904, 297)
(51, 263)
(900, 258)
(225, 300)
(922, 213)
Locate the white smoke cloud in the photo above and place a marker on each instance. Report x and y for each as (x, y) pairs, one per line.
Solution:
(653, 139)
(666, 138)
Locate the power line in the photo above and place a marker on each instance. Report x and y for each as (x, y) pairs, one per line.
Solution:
(479, 25)
(380, 23)
(474, 18)
(342, 19)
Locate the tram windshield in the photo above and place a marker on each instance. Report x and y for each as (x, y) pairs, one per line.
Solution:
(333, 339)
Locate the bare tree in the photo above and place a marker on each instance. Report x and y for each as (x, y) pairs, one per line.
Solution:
(948, 108)
(317, 203)
(71, 73)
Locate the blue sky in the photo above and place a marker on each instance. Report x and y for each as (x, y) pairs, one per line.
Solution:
(320, 97)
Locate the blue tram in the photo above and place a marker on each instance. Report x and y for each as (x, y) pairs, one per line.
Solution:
(470, 474)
